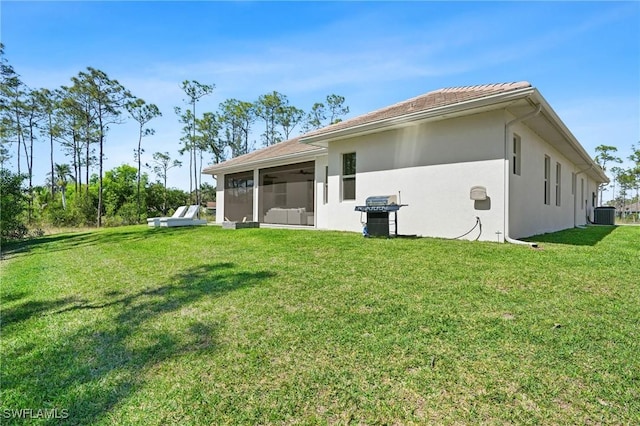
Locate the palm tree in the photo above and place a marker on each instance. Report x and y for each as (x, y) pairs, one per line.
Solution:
(63, 171)
(42, 196)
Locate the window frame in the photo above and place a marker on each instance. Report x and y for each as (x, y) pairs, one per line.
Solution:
(547, 180)
(239, 190)
(558, 184)
(516, 157)
(348, 176)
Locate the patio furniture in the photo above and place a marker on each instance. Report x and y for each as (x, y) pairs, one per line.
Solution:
(155, 221)
(190, 218)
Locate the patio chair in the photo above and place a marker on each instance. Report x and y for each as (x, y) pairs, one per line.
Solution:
(190, 218)
(155, 221)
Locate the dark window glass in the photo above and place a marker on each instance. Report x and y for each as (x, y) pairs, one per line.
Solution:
(349, 164)
(349, 176)
(238, 196)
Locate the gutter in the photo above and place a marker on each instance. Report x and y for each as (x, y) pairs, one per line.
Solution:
(507, 171)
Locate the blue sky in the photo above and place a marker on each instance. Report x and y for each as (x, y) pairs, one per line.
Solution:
(584, 57)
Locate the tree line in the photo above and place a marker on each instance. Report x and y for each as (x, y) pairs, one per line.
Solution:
(76, 118)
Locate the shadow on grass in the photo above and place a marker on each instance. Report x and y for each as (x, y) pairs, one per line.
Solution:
(12, 297)
(61, 242)
(30, 308)
(25, 246)
(99, 364)
(589, 236)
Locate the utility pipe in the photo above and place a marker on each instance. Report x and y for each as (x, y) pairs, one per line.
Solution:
(507, 126)
(575, 210)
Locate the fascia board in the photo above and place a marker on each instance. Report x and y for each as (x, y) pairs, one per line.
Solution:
(265, 162)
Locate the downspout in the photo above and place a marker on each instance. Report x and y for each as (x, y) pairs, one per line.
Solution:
(516, 120)
(575, 195)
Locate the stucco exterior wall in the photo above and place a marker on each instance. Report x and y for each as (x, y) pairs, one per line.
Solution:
(220, 198)
(528, 213)
(433, 166)
(321, 207)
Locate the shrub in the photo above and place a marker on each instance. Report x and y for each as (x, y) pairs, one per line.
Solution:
(57, 216)
(126, 215)
(87, 210)
(129, 213)
(12, 205)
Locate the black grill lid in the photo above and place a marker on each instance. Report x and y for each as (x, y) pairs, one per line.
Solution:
(380, 203)
(381, 200)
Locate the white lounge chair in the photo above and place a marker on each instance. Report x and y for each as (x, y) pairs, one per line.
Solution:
(188, 219)
(155, 221)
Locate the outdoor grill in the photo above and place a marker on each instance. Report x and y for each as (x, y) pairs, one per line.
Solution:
(377, 209)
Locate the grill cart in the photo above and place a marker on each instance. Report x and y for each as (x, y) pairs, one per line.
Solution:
(378, 221)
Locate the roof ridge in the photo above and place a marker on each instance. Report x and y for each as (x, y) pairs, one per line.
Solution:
(418, 102)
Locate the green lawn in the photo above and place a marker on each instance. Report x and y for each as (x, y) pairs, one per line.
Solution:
(263, 326)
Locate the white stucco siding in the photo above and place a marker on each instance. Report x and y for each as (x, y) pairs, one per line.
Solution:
(438, 206)
(591, 191)
(321, 208)
(528, 213)
(473, 138)
(220, 198)
(433, 166)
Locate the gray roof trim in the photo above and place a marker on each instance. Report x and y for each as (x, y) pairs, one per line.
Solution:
(263, 162)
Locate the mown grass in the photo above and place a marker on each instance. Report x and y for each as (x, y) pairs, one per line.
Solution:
(265, 326)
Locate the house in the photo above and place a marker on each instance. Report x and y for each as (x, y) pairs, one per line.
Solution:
(630, 209)
(429, 151)
(211, 207)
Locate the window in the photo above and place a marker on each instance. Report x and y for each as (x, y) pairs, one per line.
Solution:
(547, 180)
(286, 194)
(238, 196)
(558, 183)
(516, 155)
(349, 176)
